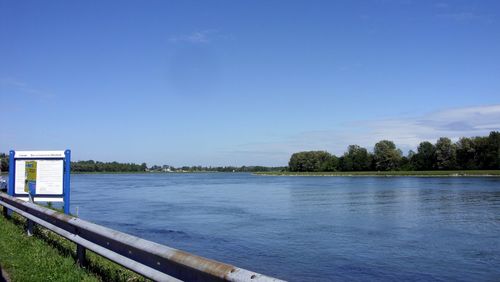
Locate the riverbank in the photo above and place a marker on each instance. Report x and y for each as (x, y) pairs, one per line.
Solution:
(49, 257)
(144, 172)
(433, 173)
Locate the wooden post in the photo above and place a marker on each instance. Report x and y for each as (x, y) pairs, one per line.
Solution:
(31, 224)
(6, 213)
(80, 255)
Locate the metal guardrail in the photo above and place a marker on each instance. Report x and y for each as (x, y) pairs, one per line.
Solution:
(155, 261)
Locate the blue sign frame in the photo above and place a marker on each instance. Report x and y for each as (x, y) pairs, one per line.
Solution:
(66, 178)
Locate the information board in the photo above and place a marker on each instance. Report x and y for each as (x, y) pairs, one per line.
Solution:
(42, 174)
(47, 176)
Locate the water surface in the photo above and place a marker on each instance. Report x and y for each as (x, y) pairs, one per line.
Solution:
(310, 228)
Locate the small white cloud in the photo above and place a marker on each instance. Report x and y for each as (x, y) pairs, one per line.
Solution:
(453, 123)
(197, 37)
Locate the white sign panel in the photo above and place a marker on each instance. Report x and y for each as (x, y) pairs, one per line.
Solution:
(49, 177)
(20, 177)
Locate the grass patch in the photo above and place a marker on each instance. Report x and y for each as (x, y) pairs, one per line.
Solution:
(28, 259)
(433, 173)
(47, 256)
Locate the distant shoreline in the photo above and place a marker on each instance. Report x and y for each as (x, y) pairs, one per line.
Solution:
(134, 172)
(437, 173)
(451, 173)
(143, 172)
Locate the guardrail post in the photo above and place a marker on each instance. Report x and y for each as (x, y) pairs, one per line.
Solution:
(30, 227)
(80, 255)
(5, 212)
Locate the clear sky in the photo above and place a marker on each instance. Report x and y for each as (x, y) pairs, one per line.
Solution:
(244, 82)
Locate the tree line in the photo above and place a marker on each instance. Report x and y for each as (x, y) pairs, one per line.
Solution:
(475, 153)
(97, 166)
(92, 166)
(167, 168)
(88, 166)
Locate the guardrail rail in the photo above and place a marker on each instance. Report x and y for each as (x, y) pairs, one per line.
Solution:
(154, 261)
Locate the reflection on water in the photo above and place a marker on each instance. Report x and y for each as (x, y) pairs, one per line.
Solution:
(310, 228)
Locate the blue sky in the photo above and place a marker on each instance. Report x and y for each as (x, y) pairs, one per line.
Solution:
(244, 82)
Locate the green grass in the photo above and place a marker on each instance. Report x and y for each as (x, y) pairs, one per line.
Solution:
(30, 259)
(434, 173)
(47, 256)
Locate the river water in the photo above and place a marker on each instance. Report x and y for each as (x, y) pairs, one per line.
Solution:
(310, 228)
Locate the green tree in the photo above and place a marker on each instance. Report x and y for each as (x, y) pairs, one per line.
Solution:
(356, 159)
(425, 158)
(405, 163)
(446, 154)
(493, 155)
(386, 155)
(310, 161)
(466, 150)
(4, 162)
(481, 151)
(331, 164)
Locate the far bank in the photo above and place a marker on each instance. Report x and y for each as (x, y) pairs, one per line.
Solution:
(432, 173)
